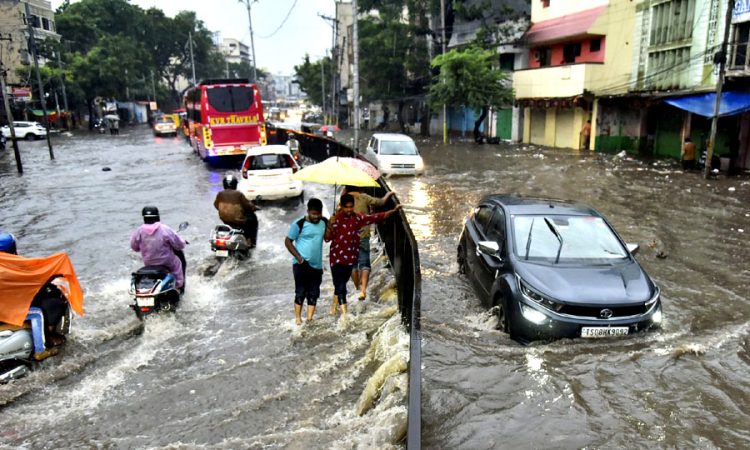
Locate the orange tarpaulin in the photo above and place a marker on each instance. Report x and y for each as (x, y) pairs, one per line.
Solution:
(22, 278)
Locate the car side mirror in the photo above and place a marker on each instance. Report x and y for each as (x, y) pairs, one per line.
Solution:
(633, 248)
(489, 248)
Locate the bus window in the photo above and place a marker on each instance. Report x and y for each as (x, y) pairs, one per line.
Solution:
(231, 99)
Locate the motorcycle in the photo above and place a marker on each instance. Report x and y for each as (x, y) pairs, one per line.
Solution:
(100, 126)
(229, 242)
(41, 335)
(154, 288)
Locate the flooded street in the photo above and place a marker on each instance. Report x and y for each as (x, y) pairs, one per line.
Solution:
(685, 386)
(229, 369)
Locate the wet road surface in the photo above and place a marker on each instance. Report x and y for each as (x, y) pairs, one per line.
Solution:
(685, 386)
(229, 369)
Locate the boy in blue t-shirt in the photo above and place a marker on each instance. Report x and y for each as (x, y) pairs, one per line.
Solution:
(305, 242)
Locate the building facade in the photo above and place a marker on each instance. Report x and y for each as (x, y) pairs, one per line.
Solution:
(236, 52)
(13, 23)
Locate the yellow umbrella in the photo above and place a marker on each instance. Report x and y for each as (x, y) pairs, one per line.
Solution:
(333, 171)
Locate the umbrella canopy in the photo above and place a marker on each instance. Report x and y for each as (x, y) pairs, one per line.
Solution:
(112, 117)
(364, 166)
(325, 128)
(335, 171)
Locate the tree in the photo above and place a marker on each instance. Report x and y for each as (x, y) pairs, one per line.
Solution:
(308, 76)
(466, 78)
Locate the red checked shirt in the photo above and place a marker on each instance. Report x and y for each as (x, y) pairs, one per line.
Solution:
(345, 246)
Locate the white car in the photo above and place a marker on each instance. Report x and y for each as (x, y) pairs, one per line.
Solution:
(25, 130)
(265, 174)
(394, 154)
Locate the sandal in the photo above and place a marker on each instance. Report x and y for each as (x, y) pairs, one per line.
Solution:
(362, 296)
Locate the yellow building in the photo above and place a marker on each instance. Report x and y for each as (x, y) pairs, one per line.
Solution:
(579, 50)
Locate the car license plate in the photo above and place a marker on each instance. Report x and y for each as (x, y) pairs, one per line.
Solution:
(222, 253)
(600, 332)
(145, 301)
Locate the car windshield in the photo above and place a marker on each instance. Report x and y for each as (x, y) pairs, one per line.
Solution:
(269, 161)
(398, 148)
(165, 120)
(566, 239)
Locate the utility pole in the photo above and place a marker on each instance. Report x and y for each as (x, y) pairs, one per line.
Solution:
(153, 86)
(252, 39)
(32, 47)
(65, 96)
(719, 89)
(355, 48)
(445, 107)
(226, 70)
(9, 115)
(323, 90)
(192, 61)
(334, 29)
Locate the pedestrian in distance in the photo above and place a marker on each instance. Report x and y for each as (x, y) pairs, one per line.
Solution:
(116, 127)
(688, 155)
(362, 204)
(343, 233)
(305, 242)
(586, 133)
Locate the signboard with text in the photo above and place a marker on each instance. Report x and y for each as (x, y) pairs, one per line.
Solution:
(21, 95)
(741, 11)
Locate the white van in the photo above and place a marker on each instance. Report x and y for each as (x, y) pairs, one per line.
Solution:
(266, 174)
(394, 154)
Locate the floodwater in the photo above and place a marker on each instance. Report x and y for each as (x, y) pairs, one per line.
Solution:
(685, 386)
(230, 369)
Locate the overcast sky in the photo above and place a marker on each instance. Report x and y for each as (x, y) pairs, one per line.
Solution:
(304, 32)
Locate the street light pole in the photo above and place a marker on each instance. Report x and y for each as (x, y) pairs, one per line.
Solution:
(32, 47)
(65, 96)
(355, 48)
(323, 89)
(252, 39)
(445, 107)
(153, 86)
(719, 89)
(192, 60)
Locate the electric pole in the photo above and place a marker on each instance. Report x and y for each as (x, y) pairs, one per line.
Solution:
(355, 48)
(252, 40)
(334, 31)
(226, 70)
(445, 107)
(153, 86)
(323, 90)
(32, 47)
(719, 89)
(65, 96)
(19, 164)
(192, 61)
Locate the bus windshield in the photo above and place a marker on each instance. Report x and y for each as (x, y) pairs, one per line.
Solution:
(231, 98)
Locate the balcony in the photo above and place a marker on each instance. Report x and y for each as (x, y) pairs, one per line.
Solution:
(563, 81)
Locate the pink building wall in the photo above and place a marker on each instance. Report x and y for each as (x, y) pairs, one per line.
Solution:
(587, 56)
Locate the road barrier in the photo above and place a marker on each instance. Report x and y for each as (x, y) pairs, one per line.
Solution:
(401, 248)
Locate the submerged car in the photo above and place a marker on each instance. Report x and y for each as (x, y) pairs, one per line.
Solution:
(553, 269)
(266, 174)
(394, 154)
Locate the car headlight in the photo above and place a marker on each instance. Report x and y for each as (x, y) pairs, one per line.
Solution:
(385, 165)
(532, 314)
(657, 317)
(420, 164)
(535, 297)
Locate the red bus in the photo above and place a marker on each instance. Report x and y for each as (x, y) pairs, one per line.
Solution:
(225, 117)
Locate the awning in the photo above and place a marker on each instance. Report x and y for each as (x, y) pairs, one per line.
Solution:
(51, 114)
(732, 102)
(565, 27)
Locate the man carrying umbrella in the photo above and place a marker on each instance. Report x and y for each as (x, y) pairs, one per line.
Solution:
(343, 232)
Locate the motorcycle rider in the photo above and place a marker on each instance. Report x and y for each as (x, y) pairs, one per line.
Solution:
(293, 145)
(237, 211)
(8, 243)
(160, 245)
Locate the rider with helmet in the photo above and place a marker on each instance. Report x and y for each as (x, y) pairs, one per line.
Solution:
(237, 211)
(159, 245)
(8, 243)
(293, 145)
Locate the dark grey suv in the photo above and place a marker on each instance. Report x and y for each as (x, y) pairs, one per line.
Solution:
(555, 269)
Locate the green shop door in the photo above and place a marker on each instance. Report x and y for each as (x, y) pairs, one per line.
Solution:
(505, 124)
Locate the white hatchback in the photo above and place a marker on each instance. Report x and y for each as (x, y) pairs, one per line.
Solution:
(394, 154)
(266, 174)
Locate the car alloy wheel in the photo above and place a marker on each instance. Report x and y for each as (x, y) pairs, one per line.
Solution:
(29, 137)
(502, 317)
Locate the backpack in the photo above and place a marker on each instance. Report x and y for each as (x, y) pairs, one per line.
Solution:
(301, 223)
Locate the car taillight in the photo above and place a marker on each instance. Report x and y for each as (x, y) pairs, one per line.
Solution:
(245, 167)
(293, 164)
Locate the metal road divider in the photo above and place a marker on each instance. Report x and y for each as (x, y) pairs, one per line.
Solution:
(401, 249)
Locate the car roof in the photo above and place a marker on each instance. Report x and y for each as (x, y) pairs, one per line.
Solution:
(518, 204)
(268, 149)
(392, 137)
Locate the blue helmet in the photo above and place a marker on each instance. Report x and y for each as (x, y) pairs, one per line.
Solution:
(8, 243)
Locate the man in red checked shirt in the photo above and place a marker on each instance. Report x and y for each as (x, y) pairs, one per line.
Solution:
(343, 231)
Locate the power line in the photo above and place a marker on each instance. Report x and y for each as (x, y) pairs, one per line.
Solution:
(282, 23)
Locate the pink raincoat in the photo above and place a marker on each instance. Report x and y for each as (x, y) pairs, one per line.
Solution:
(157, 244)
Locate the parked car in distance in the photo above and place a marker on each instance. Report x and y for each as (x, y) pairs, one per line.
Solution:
(554, 269)
(266, 173)
(165, 125)
(394, 154)
(26, 130)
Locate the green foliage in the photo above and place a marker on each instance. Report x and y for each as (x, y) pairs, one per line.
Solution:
(308, 77)
(467, 78)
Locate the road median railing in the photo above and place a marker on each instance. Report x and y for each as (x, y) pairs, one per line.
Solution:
(401, 249)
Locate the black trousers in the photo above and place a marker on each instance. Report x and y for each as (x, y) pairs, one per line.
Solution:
(341, 274)
(307, 281)
(249, 228)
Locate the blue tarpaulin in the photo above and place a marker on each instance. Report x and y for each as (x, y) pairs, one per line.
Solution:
(733, 102)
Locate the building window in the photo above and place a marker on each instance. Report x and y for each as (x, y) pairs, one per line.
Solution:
(507, 61)
(45, 24)
(596, 45)
(545, 3)
(739, 51)
(543, 56)
(570, 51)
(672, 21)
(713, 25)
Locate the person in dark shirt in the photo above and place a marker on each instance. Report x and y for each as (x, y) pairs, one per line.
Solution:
(236, 211)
